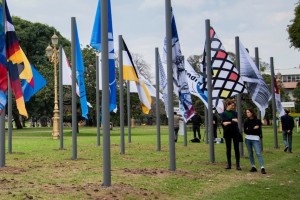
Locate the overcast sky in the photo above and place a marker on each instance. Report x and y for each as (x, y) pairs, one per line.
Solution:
(258, 23)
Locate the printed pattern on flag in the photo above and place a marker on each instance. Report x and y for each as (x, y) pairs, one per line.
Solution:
(279, 106)
(163, 84)
(226, 80)
(3, 64)
(96, 43)
(180, 83)
(258, 89)
(80, 78)
(143, 92)
(15, 64)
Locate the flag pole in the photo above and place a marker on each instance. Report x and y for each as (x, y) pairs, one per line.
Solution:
(184, 124)
(2, 139)
(168, 41)
(273, 103)
(9, 119)
(105, 95)
(209, 92)
(121, 92)
(74, 105)
(128, 112)
(258, 111)
(158, 138)
(238, 97)
(97, 100)
(61, 101)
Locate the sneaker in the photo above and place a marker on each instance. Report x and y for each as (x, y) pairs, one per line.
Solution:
(263, 171)
(228, 167)
(238, 168)
(286, 148)
(253, 169)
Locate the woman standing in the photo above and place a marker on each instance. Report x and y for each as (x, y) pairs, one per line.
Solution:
(231, 133)
(252, 129)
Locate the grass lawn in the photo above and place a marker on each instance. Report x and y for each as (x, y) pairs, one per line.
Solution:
(37, 169)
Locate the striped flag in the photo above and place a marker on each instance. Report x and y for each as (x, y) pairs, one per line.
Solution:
(131, 73)
(14, 57)
(226, 80)
(180, 83)
(258, 89)
(96, 43)
(3, 64)
(279, 106)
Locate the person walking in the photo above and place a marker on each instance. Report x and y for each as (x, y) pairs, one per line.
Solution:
(287, 130)
(252, 129)
(231, 131)
(196, 120)
(177, 119)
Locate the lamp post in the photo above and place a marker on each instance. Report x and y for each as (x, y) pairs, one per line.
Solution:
(52, 54)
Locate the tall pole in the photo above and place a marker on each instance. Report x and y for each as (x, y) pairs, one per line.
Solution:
(97, 100)
(2, 138)
(9, 119)
(209, 92)
(158, 137)
(172, 165)
(55, 132)
(273, 103)
(105, 95)
(128, 112)
(258, 111)
(61, 102)
(239, 99)
(121, 82)
(74, 102)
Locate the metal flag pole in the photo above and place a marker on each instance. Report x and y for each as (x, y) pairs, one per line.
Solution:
(273, 103)
(98, 101)
(158, 137)
(121, 82)
(61, 102)
(9, 119)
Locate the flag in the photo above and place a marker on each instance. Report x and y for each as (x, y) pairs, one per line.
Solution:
(39, 83)
(96, 43)
(279, 106)
(258, 89)
(163, 84)
(3, 64)
(80, 76)
(226, 80)
(131, 73)
(16, 66)
(150, 87)
(181, 86)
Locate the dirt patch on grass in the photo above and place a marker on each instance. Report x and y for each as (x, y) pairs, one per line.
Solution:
(97, 191)
(11, 170)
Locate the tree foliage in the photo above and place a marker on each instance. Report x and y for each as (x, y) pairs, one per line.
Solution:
(294, 28)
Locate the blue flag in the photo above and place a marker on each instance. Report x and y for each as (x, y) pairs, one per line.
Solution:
(80, 78)
(39, 83)
(96, 43)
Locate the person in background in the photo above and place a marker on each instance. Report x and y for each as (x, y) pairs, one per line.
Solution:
(177, 119)
(231, 131)
(196, 120)
(215, 124)
(287, 130)
(252, 129)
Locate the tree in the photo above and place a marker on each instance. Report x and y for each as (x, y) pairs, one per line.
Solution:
(294, 28)
(296, 94)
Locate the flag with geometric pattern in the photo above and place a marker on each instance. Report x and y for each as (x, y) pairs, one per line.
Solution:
(226, 80)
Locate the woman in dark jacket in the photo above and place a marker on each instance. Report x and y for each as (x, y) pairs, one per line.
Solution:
(252, 129)
(231, 133)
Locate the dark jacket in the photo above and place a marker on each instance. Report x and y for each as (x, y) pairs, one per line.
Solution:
(249, 127)
(287, 122)
(196, 120)
(231, 130)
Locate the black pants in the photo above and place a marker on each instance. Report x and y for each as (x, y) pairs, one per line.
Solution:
(176, 129)
(196, 128)
(236, 149)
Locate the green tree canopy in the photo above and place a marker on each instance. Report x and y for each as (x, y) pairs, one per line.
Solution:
(294, 28)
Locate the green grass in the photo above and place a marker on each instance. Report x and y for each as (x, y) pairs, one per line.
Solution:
(37, 169)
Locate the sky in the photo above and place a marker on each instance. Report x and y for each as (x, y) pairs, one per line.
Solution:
(257, 23)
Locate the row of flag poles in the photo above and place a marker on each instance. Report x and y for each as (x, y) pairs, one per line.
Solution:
(219, 79)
